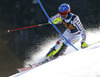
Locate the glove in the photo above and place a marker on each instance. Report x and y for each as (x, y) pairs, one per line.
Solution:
(84, 45)
(57, 20)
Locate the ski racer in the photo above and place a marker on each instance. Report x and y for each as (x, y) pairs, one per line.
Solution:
(74, 30)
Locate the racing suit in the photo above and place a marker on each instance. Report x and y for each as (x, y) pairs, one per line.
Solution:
(74, 29)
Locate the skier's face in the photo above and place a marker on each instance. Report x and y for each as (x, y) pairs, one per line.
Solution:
(65, 16)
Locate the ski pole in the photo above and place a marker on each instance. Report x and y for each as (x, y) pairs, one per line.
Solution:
(28, 27)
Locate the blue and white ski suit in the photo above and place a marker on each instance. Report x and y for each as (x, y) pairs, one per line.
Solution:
(74, 29)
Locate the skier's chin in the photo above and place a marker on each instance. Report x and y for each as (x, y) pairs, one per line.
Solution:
(65, 16)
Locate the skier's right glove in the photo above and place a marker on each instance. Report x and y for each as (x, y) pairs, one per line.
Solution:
(84, 45)
(57, 20)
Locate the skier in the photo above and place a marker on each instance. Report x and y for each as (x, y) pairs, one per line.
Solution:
(74, 29)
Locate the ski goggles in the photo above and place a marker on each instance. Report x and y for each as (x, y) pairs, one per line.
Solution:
(65, 12)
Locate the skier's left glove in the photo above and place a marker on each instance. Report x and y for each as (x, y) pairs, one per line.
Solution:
(84, 45)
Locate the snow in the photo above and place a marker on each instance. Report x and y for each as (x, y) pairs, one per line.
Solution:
(82, 63)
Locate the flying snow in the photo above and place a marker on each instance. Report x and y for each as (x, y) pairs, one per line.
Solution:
(82, 63)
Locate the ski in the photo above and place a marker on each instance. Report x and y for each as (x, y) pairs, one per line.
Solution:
(94, 43)
(31, 66)
(24, 69)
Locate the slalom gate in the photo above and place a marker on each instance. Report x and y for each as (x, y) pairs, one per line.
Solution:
(54, 25)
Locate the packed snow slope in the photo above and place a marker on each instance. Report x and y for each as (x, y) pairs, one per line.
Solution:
(82, 63)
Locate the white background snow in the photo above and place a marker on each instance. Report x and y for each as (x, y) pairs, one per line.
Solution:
(82, 63)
